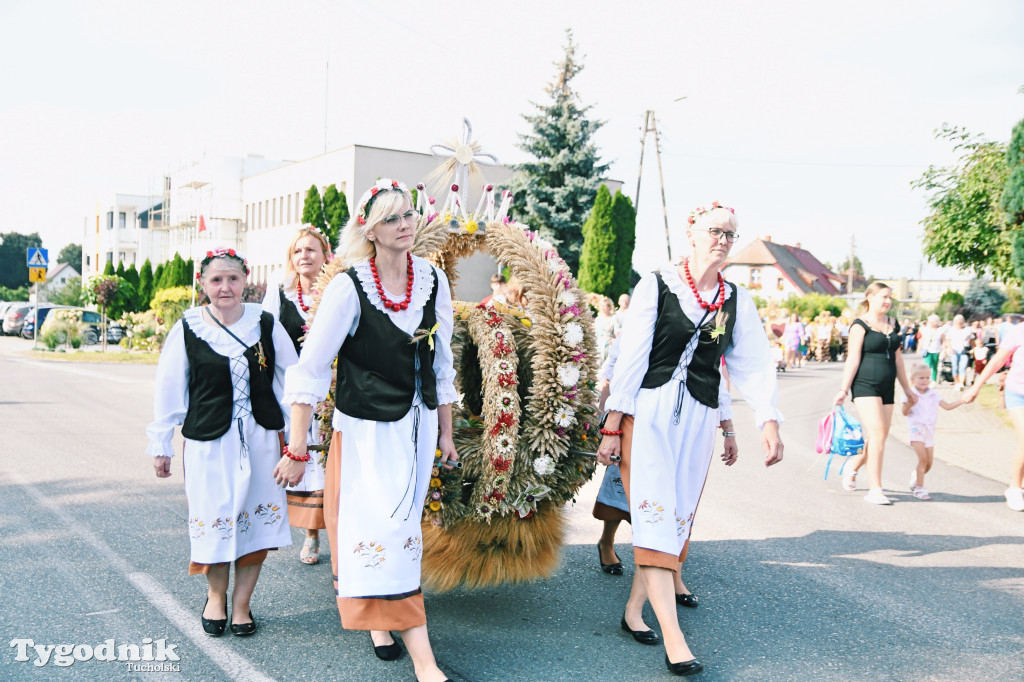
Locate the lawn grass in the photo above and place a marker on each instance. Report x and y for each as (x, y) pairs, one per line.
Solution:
(988, 398)
(97, 357)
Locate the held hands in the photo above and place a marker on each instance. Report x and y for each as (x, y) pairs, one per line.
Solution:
(162, 466)
(970, 394)
(772, 443)
(288, 471)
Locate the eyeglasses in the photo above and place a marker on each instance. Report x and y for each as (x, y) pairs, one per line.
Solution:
(717, 234)
(396, 219)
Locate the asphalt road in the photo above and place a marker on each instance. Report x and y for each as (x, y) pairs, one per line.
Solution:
(797, 580)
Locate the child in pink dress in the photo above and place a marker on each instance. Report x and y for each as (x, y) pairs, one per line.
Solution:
(921, 420)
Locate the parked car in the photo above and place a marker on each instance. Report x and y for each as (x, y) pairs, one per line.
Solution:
(29, 325)
(5, 307)
(91, 324)
(15, 318)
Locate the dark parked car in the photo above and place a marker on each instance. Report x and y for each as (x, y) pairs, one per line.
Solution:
(29, 326)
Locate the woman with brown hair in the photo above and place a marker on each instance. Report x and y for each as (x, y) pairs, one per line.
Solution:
(388, 322)
(289, 303)
(874, 363)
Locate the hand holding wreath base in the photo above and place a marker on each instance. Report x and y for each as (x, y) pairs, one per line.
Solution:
(609, 451)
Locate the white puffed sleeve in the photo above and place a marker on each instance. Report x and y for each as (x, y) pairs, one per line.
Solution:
(607, 370)
(444, 361)
(284, 357)
(749, 361)
(272, 302)
(636, 339)
(308, 381)
(724, 401)
(170, 393)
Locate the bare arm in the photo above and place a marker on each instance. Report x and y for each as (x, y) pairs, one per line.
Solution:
(852, 364)
(901, 376)
(996, 364)
(951, 405)
(445, 442)
(906, 408)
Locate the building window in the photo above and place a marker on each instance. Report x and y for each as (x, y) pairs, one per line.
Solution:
(110, 220)
(247, 216)
(781, 283)
(298, 209)
(755, 278)
(290, 208)
(273, 212)
(110, 256)
(121, 220)
(87, 258)
(281, 218)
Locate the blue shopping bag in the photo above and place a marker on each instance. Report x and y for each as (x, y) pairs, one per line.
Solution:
(847, 438)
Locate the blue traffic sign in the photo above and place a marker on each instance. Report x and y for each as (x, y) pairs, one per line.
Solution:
(37, 257)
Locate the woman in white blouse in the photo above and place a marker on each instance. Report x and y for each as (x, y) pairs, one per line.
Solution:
(221, 376)
(388, 320)
(289, 304)
(663, 410)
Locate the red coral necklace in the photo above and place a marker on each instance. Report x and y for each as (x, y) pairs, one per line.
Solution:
(298, 289)
(388, 303)
(693, 287)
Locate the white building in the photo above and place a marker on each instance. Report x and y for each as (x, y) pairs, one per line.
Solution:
(254, 205)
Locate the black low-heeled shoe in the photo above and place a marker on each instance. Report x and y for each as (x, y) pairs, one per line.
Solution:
(386, 652)
(610, 569)
(214, 628)
(244, 629)
(687, 600)
(690, 667)
(642, 636)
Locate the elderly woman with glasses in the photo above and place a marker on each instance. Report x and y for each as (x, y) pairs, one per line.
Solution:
(387, 319)
(663, 410)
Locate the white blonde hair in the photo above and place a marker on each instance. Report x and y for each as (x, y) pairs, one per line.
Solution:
(716, 217)
(353, 245)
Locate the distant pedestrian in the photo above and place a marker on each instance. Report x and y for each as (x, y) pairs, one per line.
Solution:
(921, 418)
(498, 286)
(980, 355)
(957, 342)
(791, 339)
(1010, 346)
(873, 366)
(931, 344)
(620, 314)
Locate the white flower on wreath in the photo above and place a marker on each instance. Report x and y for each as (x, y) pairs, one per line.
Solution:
(569, 375)
(504, 444)
(544, 465)
(566, 298)
(555, 264)
(506, 400)
(573, 333)
(565, 416)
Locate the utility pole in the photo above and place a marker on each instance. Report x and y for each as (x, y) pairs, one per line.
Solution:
(650, 125)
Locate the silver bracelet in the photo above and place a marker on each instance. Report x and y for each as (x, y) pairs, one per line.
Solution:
(728, 434)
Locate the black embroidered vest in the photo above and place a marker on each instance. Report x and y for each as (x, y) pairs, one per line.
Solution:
(377, 365)
(673, 329)
(291, 319)
(210, 399)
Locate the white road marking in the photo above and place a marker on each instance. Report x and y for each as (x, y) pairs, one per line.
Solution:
(235, 666)
(73, 369)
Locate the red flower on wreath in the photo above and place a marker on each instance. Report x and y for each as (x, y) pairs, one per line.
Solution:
(504, 419)
(501, 463)
(508, 379)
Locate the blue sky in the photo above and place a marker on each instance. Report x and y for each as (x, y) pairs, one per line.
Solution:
(810, 118)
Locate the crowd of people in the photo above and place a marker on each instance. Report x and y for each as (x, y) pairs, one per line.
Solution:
(244, 382)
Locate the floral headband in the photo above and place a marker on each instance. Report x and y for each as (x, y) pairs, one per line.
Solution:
(698, 212)
(382, 185)
(222, 252)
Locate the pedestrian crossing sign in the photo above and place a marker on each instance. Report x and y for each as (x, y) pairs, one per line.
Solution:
(37, 274)
(37, 258)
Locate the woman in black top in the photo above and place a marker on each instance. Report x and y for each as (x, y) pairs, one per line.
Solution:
(873, 364)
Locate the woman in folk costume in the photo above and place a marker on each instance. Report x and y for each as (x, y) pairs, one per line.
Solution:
(221, 377)
(289, 304)
(663, 409)
(388, 320)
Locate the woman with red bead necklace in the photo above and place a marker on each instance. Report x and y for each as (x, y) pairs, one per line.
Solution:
(663, 410)
(388, 321)
(289, 304)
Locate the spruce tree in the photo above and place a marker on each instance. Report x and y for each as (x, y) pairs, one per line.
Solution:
(313, 209)
(131, 275)
(624, 221)
(188, 276)
(158, 279)
(336, 213)
(145, 285)
(554, 193)
(108, 270)
(597, 258)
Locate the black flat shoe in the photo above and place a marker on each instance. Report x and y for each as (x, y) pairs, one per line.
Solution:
(642, 636)
(214, 628)
(244, 629)
(386, 652)
(687, 600)
(691, 667)
(610, 569)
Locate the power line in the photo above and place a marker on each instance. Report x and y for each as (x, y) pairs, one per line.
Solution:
(836, 164)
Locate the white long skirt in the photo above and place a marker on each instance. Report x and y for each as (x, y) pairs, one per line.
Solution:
(668, 467)
(383, 485)
(234, 505)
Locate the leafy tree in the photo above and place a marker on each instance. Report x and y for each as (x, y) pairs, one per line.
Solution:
(624, 220)
(112, 293)
(13, 263)
(108, 270)
(966, 228)
(72, 255)
(982, 299)
(554, 193)
(597, 259)
(15, 294)
(1012, 200)
(949, 302)
(313, 209)
(811, 305)
(145, 294)
(336, 212)
(69, 294)
(1014, 301)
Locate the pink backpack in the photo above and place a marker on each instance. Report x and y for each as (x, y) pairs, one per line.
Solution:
(825, 426)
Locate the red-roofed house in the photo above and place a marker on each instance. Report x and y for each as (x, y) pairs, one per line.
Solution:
(777, 270)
